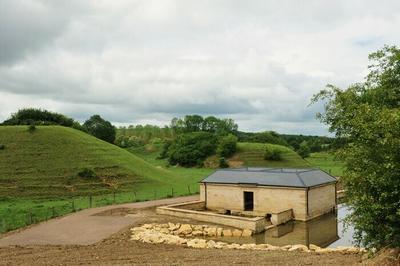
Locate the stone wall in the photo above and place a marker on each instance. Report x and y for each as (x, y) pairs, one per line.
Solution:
(321, 200)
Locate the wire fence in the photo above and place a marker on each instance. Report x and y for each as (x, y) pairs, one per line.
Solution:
(14, 217)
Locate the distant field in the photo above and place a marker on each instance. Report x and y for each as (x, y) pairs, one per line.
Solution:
(252, 154)
(326, 162)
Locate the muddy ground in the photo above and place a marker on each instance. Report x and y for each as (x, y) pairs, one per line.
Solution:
(119, 250)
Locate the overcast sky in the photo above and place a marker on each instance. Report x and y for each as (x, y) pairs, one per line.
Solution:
(258, 62)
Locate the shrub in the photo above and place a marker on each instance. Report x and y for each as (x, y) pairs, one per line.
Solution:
(2, 146)
(304, 150)
(227, 146)
(272, 154)
(87, 173)
(100, 128)
(38, 116)
(223, 163)
(32, 128)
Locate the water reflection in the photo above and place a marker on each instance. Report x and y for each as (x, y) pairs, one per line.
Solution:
(326, 231)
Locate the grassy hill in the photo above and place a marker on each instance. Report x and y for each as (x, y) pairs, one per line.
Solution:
(252, 154)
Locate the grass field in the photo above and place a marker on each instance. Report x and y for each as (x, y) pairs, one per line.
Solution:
(252, 154)
(326, 162)
(38, 175)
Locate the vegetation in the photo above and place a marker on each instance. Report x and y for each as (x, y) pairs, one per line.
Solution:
(227, 146)
(262, 137)
(304, 150)
(326, 162)
(30, 116)
(252, 154)
(366, 117)
(272, 154)
(100, 128)
(196, 123)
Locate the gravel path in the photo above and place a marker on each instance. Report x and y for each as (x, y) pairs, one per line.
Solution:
(84, 227)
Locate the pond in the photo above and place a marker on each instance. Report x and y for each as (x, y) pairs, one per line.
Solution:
(326, 231)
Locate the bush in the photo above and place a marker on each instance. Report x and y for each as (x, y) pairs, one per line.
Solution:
(227, 146)
(2, 146)
(223, 163)
(28, 116)
(32, 128)
(272, 154)
(87, 173)
(304, 150)
(191, 149)
(100, 128)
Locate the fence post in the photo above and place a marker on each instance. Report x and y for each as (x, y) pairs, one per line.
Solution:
(73, 205)
(53, 212)
(3, 225)
(189, 189)
(90, 201)
(134, 195)
(114, 197)
(30, 217)
(155, 194)
(172, 192)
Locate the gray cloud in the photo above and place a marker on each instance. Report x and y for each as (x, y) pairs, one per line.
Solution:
(258, 62)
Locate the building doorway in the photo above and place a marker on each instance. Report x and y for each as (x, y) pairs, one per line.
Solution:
(248, 201)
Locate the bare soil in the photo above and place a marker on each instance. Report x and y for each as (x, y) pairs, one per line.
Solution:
(120, 250)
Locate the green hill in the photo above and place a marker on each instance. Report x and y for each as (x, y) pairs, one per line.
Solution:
(46, 163)
(252, 154)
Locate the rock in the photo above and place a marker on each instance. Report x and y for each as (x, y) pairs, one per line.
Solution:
(232, 246)
(147, 226)
(314, 247)
(324, 250)
(298, 248)
(237, 233)
(164, 230)
(197, 233)
(247, 246)
(197, 243)
(164, 225)
(219, 231)
(198, 228)
(211, 244)
(172, 227)
(212, 231)
(272, 248)
(220, 245)
(227, 232)
(185, 229)
(247, 233)
(287, 247)
(175, 240)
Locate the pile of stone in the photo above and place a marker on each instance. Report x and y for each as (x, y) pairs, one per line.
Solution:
(170, 234)
(197, 230)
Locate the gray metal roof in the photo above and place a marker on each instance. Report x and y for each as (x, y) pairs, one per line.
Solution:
(282, 177)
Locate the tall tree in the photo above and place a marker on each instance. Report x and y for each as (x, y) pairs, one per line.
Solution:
(366, 117)
(100, 128)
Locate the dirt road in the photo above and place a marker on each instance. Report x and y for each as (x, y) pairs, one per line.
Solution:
(84, 227)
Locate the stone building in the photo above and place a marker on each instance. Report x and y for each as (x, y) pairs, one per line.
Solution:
(300, 194)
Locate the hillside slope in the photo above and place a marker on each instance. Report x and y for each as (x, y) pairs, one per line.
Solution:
(45, 163)
(252, 154)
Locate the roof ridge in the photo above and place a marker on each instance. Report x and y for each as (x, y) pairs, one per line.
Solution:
(301, 179)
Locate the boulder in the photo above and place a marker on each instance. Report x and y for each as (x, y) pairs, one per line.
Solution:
(227, 232)
(172, 227)
(220, 245)
(247, 233)
(164, 230)
(197, 227)
(147, 226)
(197, 243)
(211, 244)
(237, 233)
(287, 247)
(212, 231)
(298, 248)
(185, 229)
(197, 233)
(314, 247)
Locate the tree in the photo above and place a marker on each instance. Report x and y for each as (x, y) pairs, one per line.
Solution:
(28, 116)
(191, 149)
(365, 117)
(272, 154)
(100, 128)
(304, 150)
(227, 145)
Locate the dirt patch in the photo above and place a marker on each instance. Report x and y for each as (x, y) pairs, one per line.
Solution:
(235, 162)
(120, 250)
(116, 212)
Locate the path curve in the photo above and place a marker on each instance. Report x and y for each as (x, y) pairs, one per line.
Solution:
(83, 227)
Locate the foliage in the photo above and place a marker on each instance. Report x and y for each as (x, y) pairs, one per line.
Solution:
(32, 128)
(139, 135)
(366, 118)
(262, 137)
(29, 116)
(2, 146)
(191, 149)
(316, 143)
(272, 154)
(100, 128)
(223, 163)
(227, 146)
(304, 150)
(87, 173)
(211, 124)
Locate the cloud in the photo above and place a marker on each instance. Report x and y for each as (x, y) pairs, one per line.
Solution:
(258, 62)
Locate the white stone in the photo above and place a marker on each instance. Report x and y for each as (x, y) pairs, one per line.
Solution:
(185, 229)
